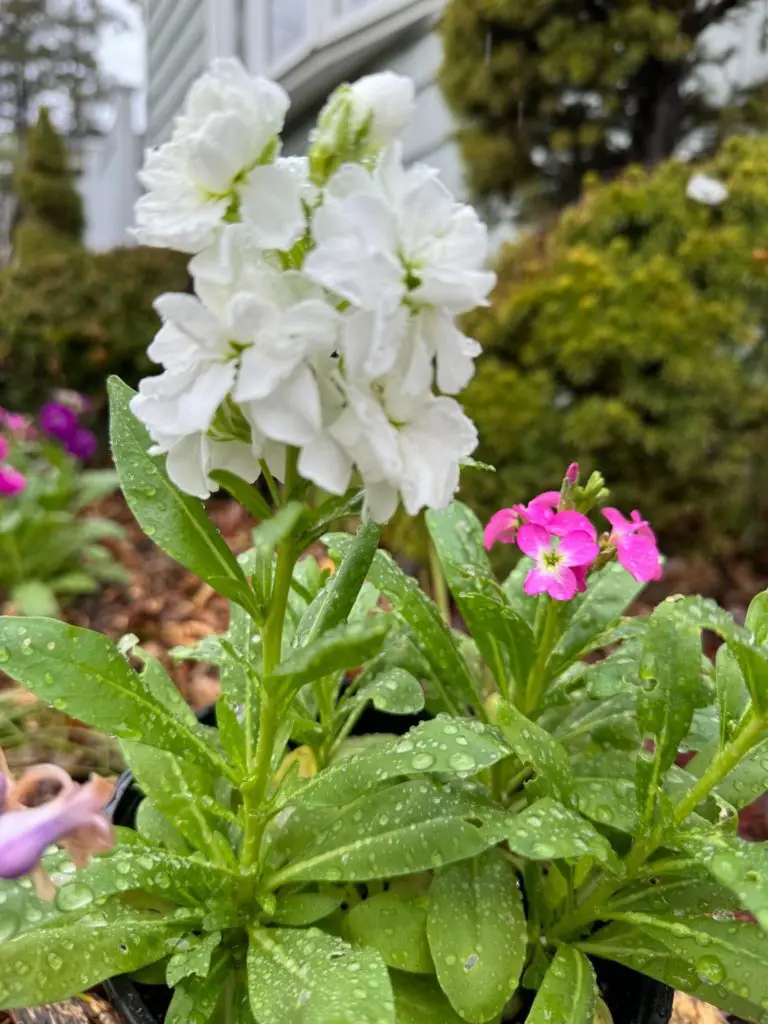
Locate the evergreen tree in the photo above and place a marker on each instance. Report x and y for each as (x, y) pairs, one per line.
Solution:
(548, 90)
(50, 209)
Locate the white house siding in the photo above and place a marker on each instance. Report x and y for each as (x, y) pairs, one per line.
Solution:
(177, 52)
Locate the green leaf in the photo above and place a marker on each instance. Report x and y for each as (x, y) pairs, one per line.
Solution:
(157, 830)
(569, 992)
(346, 646)
(548, 831)
(737, 865)
(245, 494)
(688, 892)
(182, 792)
(176, 522)
(513, 587)
(82, 673)
(418, 1000)
(732, 693)
(335, 601)
(231, 733)
(195, 998)
(394, 691)
(757, 617)
(477, 934)
(35, 598)
(277, 528)
(535, 747)
(64, 959)
(642, 952)
(395, 926)
(310, 976)
(443, 745)
(94, 484)
(140, 868)
(193, 957)
(163, 689)
(610, 593)
(297, 910)
(730, 955)
(74, 583)
(743, 784)
(504, 639)
(672, 654)
(430, 635)
(400, 830)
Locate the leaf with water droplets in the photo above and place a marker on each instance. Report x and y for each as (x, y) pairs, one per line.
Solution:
(195, 998)
(737, 865)
(732, 693)
(346, 646)
(729, 955)
(641, 951)
(65, 958)
(182, 792)
(336, 600)
(430, 634)
(298, 909)
(672, 654)
(548, 831)
(568, 994)
(81, 672)
(611, 591)
(180, 879)
(307, 975)
(535, 747)
(743, 784)
(478, 934)
(157, 830)
(393, 691)
(176, 522)
(683, 893)
(503, 637)
(419, 1000)
(410, 827)
(394, 925)
(442, 745)
(192, 957)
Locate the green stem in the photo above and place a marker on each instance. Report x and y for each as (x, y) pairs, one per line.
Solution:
(727, 759)
(536, 682)
(260, 768)
(442, 597)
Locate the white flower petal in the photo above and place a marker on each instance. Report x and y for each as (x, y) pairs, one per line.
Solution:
(326, 464)
(291, 414)
(271, 207)
(386, 102)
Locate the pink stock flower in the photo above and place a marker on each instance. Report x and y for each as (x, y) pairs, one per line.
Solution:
(15, 421)
(541, 511)
(503, 526)
(635, 545)
(12, 482)
(561, 561)
(74, 819)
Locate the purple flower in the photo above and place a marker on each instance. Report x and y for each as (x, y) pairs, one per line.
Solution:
(12, 482)
(58, 421)
(81, 443)
(73, 816)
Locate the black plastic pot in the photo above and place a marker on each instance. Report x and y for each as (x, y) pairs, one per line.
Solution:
(632, 998)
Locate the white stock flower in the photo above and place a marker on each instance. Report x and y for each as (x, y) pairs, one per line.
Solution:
(707, 190)
(395, 243)
(223, 142)
(384, 103)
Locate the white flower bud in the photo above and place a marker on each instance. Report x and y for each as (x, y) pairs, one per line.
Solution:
(386, 102)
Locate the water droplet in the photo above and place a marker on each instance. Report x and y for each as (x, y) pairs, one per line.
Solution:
(462, 761)
(710, 969)
(74, 897)
(542, 849)
(471, 962)
(422, 761)
(55, 962)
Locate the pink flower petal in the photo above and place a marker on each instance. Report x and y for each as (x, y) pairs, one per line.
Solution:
(578, 549)
(580, 575)
(619, 523)
(533, 541)
(537, 582)
(640, 557)
(501, 528)
(563, 584)
(563, 523)
(549, 498)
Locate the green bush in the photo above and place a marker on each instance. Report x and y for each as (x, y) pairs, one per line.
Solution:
(632, 336)
(69, 320)
(52, 217)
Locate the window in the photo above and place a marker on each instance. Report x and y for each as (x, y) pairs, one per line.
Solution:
(287, 27)
(345, 6)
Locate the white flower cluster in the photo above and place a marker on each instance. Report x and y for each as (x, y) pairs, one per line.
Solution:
(326, 292)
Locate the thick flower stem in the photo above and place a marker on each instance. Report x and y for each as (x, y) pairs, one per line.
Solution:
(536, 682)
(589, 911)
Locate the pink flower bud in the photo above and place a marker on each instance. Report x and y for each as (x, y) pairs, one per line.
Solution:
(572, 474)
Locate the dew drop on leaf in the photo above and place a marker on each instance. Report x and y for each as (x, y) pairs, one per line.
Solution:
(421, 762)
(9, 925)
(74, 897)
(710, 969)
